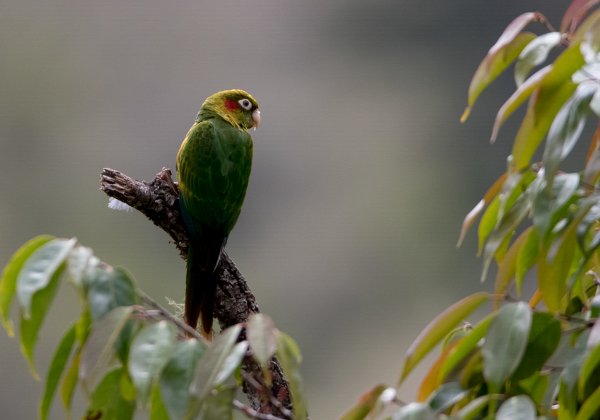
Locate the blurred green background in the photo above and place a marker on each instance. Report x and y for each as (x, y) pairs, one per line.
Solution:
(361, 178)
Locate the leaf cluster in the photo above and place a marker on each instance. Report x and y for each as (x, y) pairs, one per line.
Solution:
(535, 356)
(126, 356)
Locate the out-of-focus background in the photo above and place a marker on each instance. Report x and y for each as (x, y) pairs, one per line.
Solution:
(361, 178)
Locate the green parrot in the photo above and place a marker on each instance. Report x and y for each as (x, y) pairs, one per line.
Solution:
(213, 166)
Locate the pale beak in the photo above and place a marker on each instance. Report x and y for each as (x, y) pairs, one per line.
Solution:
(256, 118)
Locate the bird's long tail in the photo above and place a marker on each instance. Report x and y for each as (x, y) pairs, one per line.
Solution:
(200, 289)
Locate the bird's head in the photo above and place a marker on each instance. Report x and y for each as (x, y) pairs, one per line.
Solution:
(235, 106)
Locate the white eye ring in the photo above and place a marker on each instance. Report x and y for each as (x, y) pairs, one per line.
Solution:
(245, 103)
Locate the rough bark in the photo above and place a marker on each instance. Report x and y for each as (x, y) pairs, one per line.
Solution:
(158, 201)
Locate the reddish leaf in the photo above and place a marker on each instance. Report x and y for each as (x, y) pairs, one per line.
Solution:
(499, 57)
(575, 13)
(592, 160)
(439, 328)
(365, 404)
(433, 379)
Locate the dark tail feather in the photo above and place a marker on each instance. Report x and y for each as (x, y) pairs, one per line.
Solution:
(200, 289)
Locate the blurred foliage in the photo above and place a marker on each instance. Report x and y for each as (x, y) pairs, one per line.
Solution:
(538, 356)
(126, 356)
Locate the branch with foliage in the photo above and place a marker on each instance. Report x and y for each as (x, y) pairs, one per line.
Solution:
(540, 226)
(128, 353)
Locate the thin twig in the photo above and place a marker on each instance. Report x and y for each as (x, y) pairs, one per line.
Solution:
(253, 414)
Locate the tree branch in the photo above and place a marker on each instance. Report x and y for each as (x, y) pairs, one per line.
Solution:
(159, 201)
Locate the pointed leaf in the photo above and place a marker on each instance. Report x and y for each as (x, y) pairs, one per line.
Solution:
(289, 357)
(57, 366)
(503, 231)
(535, 53)
(446, 396)
(365, 404)
(30, 326)
(8, 281)
(550, 203)
(566, 129)
(158, 411)
(437, 329)
(517, 408)
(473, 409)
(69, 381)
(432, 380)
(505, 343)
(554, 90)
(465, 346)
(39, 269)
(592, 161)
(567, 393)
(528, 255)
(508, 265)
(149, 353)
(470, 218)
(108, 288)
(107, 401)
(177, 374)
(544, 337)
(499, 57)
(575, 13)
(590, 407)
(99, 352)
(213, 362)
(590, 364)
(519, 96)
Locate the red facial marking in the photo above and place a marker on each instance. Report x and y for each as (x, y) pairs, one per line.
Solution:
(231, 105)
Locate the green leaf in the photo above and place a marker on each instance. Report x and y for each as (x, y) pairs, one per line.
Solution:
(57, 366)
(107, 401)
(465, 346)
(215, 365)
(590, 363)
(446, 396)
(150, 351)
(503, 231)
(535, 53)
(289, 357)
(219, 404)
(567, 392)
(544, 337)
(506, 50)
(505, 343)
(177, 374)
(8, 281)
(30, 326)
(414, 411)
(69, 381)
(437, 329)
(158, 411)
(517, 408)
(553, 275)
(535, 386)
(528, 255)
(108, 288)
(39, 269)
(517, 98)
(365, 404)
(566, 129)
(590, 407)
(488, 222)
(550, 203)
(489, 195)
(98, 354)
(261, 338)
(507, 267)
(554, 90)
(473, 409)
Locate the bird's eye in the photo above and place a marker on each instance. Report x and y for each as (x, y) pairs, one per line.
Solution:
(245, 103)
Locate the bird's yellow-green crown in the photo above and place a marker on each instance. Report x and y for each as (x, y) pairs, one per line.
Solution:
(235, 106)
